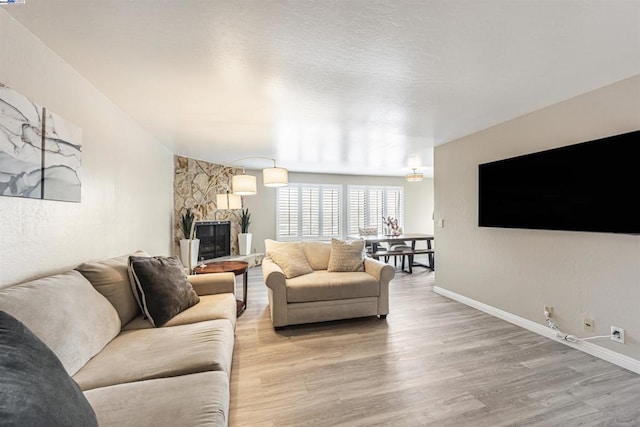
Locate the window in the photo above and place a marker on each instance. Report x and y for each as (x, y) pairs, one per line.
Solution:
(367, 205)
(309, 211)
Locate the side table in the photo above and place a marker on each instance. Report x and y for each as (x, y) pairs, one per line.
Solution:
(235, 267)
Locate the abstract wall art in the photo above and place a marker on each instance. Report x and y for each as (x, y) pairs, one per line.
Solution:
(40, 153)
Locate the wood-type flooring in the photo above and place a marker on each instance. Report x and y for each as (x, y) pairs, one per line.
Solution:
(432, 362)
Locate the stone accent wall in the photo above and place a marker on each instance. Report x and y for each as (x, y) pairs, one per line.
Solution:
(193, 178)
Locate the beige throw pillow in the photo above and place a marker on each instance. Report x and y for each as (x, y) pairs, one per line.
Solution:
(291, 259)
(111, 278)
(66, 313)
(317, 253)
(346, 255)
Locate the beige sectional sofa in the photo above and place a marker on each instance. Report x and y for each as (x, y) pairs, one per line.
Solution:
(131, 373)
(323, 295)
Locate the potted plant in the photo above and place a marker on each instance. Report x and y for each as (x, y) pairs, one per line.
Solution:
(244, 237)
(189, 247)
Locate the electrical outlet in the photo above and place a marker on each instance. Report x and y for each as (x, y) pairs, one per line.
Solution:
(587, 324)
(549, 309)
(617, 334)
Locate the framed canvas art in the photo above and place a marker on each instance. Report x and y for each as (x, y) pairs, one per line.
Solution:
(20, 145)
(40, 152)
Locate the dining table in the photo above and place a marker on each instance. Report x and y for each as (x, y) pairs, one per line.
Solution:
(410, 239)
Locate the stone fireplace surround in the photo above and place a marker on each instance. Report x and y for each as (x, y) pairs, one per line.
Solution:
(191, 179)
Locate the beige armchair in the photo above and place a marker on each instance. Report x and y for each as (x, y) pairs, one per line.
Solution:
(322, 295)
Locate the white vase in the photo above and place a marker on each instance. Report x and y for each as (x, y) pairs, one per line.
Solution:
(244, 243)
(184, 252)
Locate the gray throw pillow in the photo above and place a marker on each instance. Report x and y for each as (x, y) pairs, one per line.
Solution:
(161, 287)
(35, 389)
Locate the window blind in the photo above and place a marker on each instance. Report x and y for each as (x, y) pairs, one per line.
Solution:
(367, 205)
(309, 211)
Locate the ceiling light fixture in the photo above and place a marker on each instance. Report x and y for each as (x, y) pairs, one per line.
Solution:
(414, 176)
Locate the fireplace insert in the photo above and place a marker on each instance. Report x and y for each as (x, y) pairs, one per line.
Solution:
(215, 239)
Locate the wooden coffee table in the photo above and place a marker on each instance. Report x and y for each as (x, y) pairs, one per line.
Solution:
(235, 267)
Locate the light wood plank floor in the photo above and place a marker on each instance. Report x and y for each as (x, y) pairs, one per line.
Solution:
(433, 362)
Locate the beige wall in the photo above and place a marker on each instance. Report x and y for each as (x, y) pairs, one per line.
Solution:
(579, 273)
(418, 202)
(126, 175)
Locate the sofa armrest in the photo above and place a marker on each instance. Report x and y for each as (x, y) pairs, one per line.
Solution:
(276, 283)
(213, 283)
(381, 271)
(273, 275)
(384, 273)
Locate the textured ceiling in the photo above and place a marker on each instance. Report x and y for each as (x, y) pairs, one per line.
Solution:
(350, 86)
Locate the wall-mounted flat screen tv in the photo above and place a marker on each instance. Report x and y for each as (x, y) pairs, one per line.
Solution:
(592, 186)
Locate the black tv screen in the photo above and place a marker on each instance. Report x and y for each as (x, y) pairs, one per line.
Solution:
(592, 186)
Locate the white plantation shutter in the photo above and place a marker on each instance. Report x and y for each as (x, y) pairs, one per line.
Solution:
(310, 206)
(287, 215)
(309, 211)
(357, 208)
(375, 208)
(394, 203)
(331, 217)
(367, 205)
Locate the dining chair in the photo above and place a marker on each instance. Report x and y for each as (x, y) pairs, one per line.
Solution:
(395, 247)
(368, 231)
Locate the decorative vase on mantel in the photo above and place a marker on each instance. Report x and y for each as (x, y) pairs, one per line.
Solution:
(184, 252)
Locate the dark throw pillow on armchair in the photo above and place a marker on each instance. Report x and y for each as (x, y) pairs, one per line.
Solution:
(35, 389)
(161, 287)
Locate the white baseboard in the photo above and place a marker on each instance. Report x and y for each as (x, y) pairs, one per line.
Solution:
(587, 347)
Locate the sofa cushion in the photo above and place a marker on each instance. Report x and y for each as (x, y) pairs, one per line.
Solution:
(291, 259)
(161, 352)
(66, 313)
(210, 307)
(346, 255)
(317, 253)
(110, 277)
(36, 390)
(326, 286)
(161, 287)
(203, 400)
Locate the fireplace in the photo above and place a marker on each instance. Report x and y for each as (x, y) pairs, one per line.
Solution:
(215, 239)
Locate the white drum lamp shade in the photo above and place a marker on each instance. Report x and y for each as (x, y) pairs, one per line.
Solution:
(275, 177)
(244, 185)
(228, 201)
